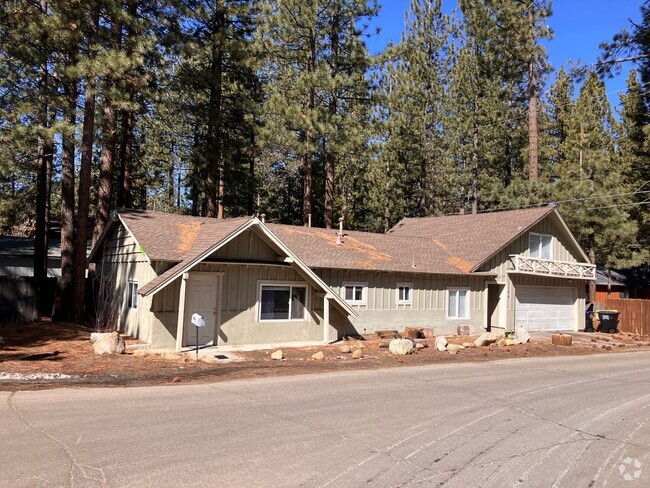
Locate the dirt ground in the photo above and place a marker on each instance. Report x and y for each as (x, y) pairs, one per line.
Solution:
(63, 348)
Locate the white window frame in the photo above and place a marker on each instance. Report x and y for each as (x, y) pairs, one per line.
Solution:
(457, 290)
(541, 236)
(290, 284)
(408, 301)
(364, 292)
(131, 297)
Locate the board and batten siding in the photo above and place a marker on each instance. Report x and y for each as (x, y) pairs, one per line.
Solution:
(563, 250)
(123, 261)
(239, 301)
(501, 262)
(428, 306)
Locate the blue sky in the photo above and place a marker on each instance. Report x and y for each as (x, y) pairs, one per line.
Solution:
(579, 26)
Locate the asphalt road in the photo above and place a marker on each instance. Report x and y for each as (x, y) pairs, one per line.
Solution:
(570, 421)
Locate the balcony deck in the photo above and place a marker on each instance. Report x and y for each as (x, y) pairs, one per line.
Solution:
(549, 267)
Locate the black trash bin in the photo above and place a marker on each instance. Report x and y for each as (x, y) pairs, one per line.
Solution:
(608, 321)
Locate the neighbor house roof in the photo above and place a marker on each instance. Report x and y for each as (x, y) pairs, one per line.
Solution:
(474, 238)
(12, 247)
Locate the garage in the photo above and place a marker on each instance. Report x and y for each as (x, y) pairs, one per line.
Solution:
(541, 308)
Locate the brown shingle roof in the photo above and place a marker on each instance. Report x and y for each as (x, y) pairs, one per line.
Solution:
(473, 238)
(439, 245)
(173, 237)
(317, 248)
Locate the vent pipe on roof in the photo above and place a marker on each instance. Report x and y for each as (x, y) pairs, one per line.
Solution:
(339, 234)
(263, 218)
(309, 220)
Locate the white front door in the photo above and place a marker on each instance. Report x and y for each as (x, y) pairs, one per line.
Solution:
(203, 297)
(544, 308)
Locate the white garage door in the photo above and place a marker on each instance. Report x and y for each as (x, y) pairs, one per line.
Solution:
(540, 308)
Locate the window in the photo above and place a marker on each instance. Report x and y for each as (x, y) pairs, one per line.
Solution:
(541, 246)
(457, 304)
(355, 293)
(132, 295)
(283, 302)
(404, 293)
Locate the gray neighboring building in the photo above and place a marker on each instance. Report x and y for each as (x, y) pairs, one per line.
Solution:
(260, 283)
(17, 257)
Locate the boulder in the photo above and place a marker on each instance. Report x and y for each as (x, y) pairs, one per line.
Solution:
(521, 335)
(277, 355)
(319, 356)
(419, 345)
(411, 333)
(427, 332)
(453, 349)
(111, 343)
(357, 354)
(441, 343)
(463, 330)
(345, 349)
(400, 347)
(485, 339)
(510, 342)
(467, 344)
(502, 342)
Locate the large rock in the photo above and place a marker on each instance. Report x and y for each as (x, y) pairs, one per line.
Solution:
(427, 332)
(400, 347)
(486, 339)
(521, 335)
(411, 333)
(357, 354)
(441, 343)
(277, 355)
(319, 356)
(345, 349)
(109, 344)
(453, 349)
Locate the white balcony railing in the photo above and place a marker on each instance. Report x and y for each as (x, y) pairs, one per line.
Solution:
(556, 269)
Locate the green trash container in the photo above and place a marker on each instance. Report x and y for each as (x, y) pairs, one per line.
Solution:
(608, 321)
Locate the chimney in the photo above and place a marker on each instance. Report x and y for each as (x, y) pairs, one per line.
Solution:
(263, 218)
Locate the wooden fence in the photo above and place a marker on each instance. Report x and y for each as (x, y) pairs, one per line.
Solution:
(634, 314)
(18, 298)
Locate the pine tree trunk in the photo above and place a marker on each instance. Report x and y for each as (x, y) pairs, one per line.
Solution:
(592, 259)
(330, 158)
(126, 159)
(214, 184)
(533, 158)
(62, 302)
(107, 159)
(44, 175)
(83, 197)
(307, 158)
(330, 163)
(475, 171)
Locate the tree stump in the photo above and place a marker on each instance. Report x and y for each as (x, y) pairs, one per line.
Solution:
(561, 340)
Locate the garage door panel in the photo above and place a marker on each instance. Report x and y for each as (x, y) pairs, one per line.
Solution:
(539, 308)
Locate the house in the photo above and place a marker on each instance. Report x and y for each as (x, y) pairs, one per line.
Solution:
(17, 257)
(632, 283)
(258, 283)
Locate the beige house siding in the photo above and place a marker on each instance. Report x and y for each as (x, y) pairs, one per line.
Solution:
(123, 262)
(563, 250)
(239, 313)
(428, 306)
